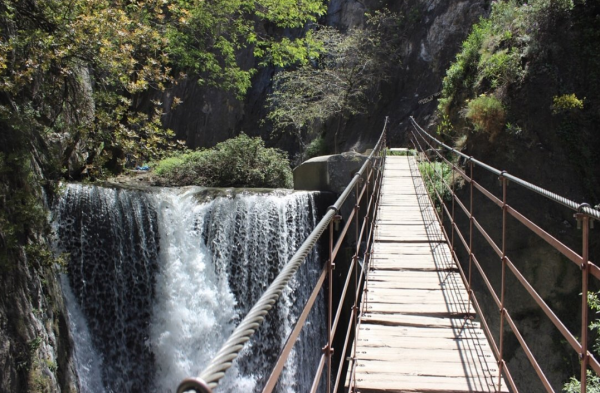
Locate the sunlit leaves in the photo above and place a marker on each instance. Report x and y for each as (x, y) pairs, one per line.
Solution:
(344, 74)
(207, 37)
(88, 67)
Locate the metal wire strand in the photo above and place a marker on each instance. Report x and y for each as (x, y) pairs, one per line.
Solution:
(213, 373)
(578, 207)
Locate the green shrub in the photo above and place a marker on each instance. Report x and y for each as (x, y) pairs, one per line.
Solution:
(237, 162)
(316, 147)
(500, 68)
(566, 103)
(491, 57)
(460, 74)
(487, 114)
(169, 164)
(593, 385)
(436, 176)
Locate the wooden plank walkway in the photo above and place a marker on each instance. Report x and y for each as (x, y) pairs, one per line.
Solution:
(417, 331)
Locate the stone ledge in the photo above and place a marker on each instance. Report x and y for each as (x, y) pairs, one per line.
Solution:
(328, 173)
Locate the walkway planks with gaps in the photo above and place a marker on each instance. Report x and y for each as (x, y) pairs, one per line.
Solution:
(417, 332)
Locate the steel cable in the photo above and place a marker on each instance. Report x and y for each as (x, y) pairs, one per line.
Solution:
(212, 374)
(578, 207)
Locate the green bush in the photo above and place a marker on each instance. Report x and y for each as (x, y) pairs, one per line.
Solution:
(317, 147)
(487, 114)
(237, 162)
(437, 177)
(460, 74)
(593, 385)
(500, 68)
(566, 103)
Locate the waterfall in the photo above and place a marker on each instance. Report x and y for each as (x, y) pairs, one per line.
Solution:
(161, 279)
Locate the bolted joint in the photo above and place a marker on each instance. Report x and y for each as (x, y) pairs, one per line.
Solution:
(502, 178)
(581, 217)
(327, 350)
(336, 221)
(582, 206)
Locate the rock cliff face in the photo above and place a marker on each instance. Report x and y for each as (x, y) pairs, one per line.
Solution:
(433, 31)
(35, 344)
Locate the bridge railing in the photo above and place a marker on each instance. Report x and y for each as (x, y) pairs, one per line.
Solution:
(427, 145)
(363, 188)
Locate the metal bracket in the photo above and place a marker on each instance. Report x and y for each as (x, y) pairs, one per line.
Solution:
(503, 177)
(579, 216)
(336, 221)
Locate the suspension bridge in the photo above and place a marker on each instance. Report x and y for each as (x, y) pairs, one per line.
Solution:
(415, 324)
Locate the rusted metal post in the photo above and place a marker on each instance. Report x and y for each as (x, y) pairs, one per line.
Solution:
(503, 287)
(441, 194)
(330, 265)
(453, 204)
(470, 225)
(585, 222)
(354, 313)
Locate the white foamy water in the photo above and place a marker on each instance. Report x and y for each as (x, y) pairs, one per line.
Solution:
(184, 273)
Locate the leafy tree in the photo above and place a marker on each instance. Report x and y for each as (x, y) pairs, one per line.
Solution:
(75, 76)
(340, 82)
(207, 36)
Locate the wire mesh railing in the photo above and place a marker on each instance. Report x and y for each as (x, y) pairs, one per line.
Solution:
(363, 188)
(428, 145)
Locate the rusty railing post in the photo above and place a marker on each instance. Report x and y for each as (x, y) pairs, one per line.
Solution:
(583, 356)
(330, 266)
(470, 226)
(453, 204)
(503, 285)
(354, 313)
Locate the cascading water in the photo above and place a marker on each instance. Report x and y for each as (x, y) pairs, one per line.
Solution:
(163, 279)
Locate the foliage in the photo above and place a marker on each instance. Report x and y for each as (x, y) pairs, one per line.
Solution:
(407, 152)
(566, 103)
(337, 84)
(491, 58)
(593, 381)
(445, 125)
(236, 162)
(207, 36)
(438, 177)
(574, 385)
(317, 147)
(70, 72)
(76, 76)
(459, 73)
(487, 114)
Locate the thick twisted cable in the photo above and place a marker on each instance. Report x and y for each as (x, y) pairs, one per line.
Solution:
(579, 207)
(212, 374)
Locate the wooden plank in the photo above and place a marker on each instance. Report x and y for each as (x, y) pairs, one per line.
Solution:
(416, 331)
(393, 382)
(417, 321)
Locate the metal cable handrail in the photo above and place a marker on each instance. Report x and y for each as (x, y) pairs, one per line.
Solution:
(215, 371)
(585, 216)
(578, 207)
